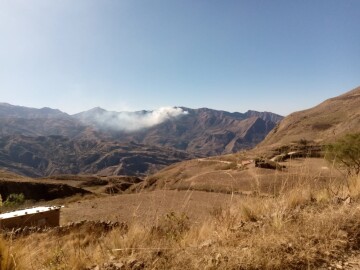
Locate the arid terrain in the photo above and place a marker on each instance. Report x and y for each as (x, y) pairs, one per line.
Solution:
(217, 228)
(280, 205)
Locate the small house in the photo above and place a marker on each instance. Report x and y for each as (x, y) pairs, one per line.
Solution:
(31, 217)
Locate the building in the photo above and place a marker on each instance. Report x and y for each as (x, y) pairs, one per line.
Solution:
(37, 216)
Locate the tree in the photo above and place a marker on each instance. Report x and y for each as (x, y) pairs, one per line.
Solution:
(345, 153)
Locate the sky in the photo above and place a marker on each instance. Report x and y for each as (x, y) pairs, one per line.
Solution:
(124, 55)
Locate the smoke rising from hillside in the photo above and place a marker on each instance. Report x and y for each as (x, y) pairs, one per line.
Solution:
(132, 121)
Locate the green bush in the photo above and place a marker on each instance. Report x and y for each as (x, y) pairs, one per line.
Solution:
(345, 153)
(14, 200)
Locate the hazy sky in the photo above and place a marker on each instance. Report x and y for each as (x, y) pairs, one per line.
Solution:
(278, 55)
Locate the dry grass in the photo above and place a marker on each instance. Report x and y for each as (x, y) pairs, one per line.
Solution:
(354, 186)
(227, 176)
(7, 259)
(303, 227)
(242, 238)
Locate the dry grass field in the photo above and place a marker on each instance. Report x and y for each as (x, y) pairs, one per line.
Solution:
(300, 229)
(226, 174)
(145, 208)
(311, 223)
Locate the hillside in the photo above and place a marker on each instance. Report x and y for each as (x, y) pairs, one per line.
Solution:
(329, 120)
(49, 155)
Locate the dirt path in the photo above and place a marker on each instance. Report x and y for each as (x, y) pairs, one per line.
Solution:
(213, 160)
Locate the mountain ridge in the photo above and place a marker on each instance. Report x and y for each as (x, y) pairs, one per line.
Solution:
(42, 142)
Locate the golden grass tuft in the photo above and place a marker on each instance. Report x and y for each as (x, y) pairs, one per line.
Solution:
(354, 186)
(8, 260)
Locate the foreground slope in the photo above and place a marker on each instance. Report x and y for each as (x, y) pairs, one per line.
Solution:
(304, 226)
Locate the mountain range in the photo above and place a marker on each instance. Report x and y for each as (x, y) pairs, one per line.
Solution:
(200, 131)
(42, 142)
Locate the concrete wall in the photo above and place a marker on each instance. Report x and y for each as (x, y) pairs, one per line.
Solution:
(49, 218)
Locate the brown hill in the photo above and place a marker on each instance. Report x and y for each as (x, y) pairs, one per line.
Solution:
(329, 120)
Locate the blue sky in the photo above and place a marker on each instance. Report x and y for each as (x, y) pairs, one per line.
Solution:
(278, 55)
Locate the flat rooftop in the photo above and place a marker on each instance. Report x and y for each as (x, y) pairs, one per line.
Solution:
(28, 211)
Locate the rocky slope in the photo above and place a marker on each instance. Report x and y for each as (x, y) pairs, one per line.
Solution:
(201, 131)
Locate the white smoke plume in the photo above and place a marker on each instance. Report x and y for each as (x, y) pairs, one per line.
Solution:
(131, 121)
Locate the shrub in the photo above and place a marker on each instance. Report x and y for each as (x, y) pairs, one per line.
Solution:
(303, 142)
(345, 153)
(14, 199)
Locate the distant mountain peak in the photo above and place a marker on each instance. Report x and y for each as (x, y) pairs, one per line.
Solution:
(97, 110)
(6, 104)
(15, 111)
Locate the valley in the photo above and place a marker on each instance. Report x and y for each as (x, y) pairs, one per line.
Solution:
(215, 203)
(179, 135)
